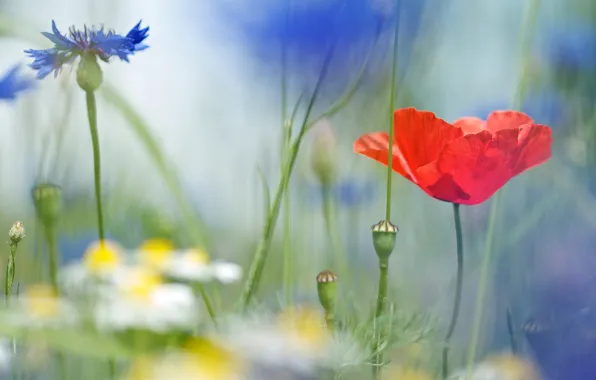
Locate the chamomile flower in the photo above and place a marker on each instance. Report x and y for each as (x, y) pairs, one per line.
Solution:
(200, 359)
(189, 265)
(501, 367)
(100, 263)
(296, 340)
(40, 306)
(193, 265)
(141, 299)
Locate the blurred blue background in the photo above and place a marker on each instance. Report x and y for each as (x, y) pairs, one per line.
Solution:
(209, 88)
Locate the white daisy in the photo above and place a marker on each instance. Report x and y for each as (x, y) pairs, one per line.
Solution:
(296, 340)
(191, 265)
(40, 307)
(140, 299)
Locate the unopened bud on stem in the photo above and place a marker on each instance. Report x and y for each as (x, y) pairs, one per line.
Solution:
(47, 199)
(327, 289)
(16, 232)
(324, 153)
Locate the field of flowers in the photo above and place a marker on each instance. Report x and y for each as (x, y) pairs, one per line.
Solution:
(380, 233)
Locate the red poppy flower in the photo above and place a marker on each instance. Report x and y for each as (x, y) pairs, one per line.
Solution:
(465, 162)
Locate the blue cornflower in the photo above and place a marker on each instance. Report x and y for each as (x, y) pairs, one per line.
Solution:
(12, 83)
(87, 43)
(545, 107)
(348, 192)
(571, 48)
(308, 29)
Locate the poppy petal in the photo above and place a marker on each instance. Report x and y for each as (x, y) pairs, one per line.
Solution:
(469, 125)
(375, 146)
(420, 136)
(534, 147)
(479, 164)
(499, 120)
(440, 186)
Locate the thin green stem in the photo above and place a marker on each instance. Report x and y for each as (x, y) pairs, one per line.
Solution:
(511, 332)
(286, 142)
(206, 301)
(458, 290)
(480, 295)
(195, 225)
(10, 271)
(380, 310)
(391, 126)
(256, 268)
(92, 115)
(50, 234)
(529, 27)
(330, 319)
(329, 214)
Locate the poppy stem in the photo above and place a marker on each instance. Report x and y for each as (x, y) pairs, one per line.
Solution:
(329, 214)
(381, 306)
(384, 261)
(92, 115)
(391, 108)
(458, 290)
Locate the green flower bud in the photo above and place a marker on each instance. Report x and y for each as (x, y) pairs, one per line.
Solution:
(327, 289)
(47, 199)
(16, 232)
(384, 234)
(324, 153)
(89, 74)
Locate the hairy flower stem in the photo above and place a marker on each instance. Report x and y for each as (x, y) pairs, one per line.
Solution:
(10, 271)
(92, 116)
(330, 320)
(50, 235)
(329, 214)
(458, 291)
(380, 311)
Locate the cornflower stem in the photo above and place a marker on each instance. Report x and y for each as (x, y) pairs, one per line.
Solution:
(329, 214)
(380, 311)
(10, 271)
(50, 235)
(258, 263)
(458, 291)
(92, 116)
(529, 27)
